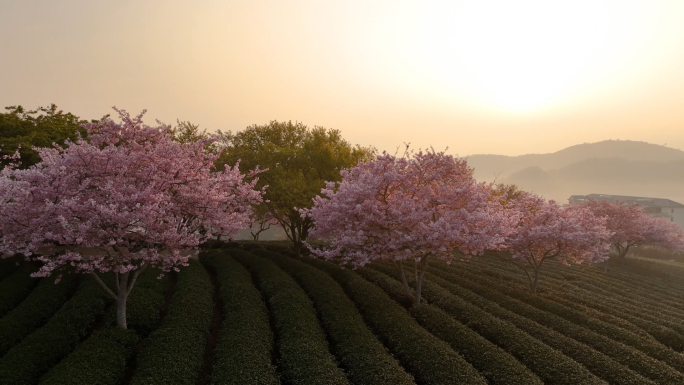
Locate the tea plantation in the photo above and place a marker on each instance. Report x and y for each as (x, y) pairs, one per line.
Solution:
(255, 314)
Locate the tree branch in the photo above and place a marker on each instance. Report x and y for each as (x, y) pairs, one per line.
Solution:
(104, 286)
(135, 278)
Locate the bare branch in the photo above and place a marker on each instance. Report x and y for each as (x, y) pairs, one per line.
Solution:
(135, 278)
(104, 286)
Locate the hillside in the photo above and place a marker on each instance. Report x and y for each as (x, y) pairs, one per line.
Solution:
(608, 167)
(487, 166)
(258, 315)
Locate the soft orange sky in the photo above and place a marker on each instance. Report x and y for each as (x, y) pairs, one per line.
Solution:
(505, 77)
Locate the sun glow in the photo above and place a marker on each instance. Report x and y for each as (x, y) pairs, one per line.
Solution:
(523, 56)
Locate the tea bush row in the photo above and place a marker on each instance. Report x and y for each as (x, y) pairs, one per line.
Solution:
(42, 349)
(302, 347)
(364, 358)
(626, 355)
(101, 360)
(550, 365)
(173, 353)
(245, 342)
(603, 332)
(429, 359)
(15, 288)
(34, 311)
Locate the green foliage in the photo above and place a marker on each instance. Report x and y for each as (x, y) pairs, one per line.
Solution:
(42, 349)
(299, 161)
(8, 266)
(496, 365)
(35, 128)
(604, 341)
(100, 360)
(363, 357)
(301, 344)
(16, 287)
(547, 363)
(613, 367)
(173, 353)
(245, 343)
(34, 311)
(429, 359)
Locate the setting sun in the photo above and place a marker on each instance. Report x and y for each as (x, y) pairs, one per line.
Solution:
(526, 55)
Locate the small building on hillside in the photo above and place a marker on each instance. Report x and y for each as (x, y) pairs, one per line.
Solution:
(657, 207)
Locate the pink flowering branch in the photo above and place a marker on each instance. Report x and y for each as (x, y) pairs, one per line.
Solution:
(411, 208)
(127, 198)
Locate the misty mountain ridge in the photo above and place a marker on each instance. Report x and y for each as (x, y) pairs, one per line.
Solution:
(609, 167)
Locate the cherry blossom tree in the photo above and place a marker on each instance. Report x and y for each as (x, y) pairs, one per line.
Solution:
(632, 227)
(407, 209)
(128, 198)
(546, 231)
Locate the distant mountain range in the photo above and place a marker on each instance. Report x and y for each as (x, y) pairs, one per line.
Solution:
(617, 167)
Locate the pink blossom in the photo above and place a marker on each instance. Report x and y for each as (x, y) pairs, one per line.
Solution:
(547, 231)
(419, 206)
(127, 198)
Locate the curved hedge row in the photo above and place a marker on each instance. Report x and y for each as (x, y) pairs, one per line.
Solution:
(45, 347)
(547, 363)
(639, 306)
(8, 266)
(628, 356)
(363, 357)
(661, 333)
(34, 311)
(173, 353)
(301, 344)
(553, 286)
(245, 342)
(641, 315)
(101, 360)
(15, 288)
(605, 308)
(429, 359)
(493, 363)
(594, 331)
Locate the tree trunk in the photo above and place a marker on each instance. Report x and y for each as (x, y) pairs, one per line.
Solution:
(123, 289)
(402, 276)
(533, 285)
(605, 266)
(622, 252)
(122, 298)
(419, 282)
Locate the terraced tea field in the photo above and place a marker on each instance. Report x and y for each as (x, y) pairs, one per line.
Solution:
(257, 315)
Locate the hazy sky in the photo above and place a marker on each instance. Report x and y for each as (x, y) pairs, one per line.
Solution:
(506, 77)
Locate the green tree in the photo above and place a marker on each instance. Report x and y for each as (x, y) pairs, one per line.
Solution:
(299, 162)
(24, 129)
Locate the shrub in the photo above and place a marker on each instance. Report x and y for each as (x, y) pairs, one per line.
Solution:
(173, 353)
(101, 360)
(430, 360)
(596, 333)
(15, 288)
(8, 266)
(245, 342)
(45, 347)
(625, 355)
(301, 344)
(363, 357)
(496, 365)
(545, 361)
(34, 311)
